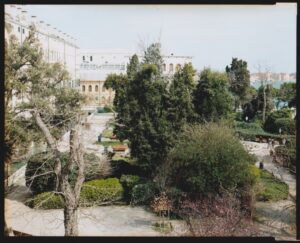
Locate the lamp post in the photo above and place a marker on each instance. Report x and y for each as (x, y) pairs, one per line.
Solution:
(246, 118)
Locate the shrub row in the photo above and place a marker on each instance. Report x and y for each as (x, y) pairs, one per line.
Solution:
(96, 192)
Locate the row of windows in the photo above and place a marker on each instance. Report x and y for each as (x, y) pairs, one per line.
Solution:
(171, 67)
(19, 30)
(91, 58)
(104, 67)
(90, 88)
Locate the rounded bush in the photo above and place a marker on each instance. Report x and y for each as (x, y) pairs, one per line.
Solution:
(101, 191)
(287, 125)
(272, 117)
(207, 158)
(40, 176)
(143, 193)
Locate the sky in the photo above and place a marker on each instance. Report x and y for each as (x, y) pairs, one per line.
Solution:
(261, 34)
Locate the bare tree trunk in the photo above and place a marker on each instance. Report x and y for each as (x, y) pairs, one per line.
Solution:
(71, 195)
(265, 104)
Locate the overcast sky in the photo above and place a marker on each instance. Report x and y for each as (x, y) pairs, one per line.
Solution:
(211, 34)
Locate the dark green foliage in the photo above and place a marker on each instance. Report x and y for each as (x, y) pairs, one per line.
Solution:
(121, 167)
(259, 100)
(212, 99)
(143, 194)
(287, 125)
(239, 77)
(271, 188)
(43, 164)
(128, 182)
(181, 98)
(153, 56)
(287, 93)
(272, 117)
(97, 192)
(286, 154)
(207, 157)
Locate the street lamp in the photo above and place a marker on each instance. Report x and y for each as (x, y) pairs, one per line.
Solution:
(280, 130)
(246, 118)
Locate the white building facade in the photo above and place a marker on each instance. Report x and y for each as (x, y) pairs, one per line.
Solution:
(96, 65)
(57, 45)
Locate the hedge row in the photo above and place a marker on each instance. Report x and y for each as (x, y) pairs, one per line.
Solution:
(96, 192)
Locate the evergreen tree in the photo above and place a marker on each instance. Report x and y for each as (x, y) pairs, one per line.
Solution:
(239, 77)
(212, 99)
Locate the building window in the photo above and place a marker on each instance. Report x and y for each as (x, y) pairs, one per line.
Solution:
(83, 88)
(171, 67)
(83, 58)
(19, 29)
(103, 88)
(90, 88)
(96, 88)
(91, 58)
(23, 31)
(164, 67)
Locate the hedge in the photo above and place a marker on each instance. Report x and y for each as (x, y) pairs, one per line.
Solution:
(143, 194)
(44, 162)
(96, 192)
(272, 117)
(287, 125)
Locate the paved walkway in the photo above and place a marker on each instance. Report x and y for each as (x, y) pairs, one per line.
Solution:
(276, 219)
(95, 221)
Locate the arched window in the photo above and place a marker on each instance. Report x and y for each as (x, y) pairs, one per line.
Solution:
(178, 66)
(83, 88)
(164, 67)
(171, 67)
(96, 88)
(90, 88)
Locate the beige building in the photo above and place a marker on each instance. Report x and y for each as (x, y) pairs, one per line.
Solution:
(96, 65)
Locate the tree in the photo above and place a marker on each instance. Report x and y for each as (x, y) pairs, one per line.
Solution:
(47, 110)
(263, 76)
(152, 55)
(287, 93)
(239, 77)
(212, 99)
(181, 97)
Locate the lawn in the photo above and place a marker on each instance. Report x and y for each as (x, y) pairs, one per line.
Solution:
(271, 188)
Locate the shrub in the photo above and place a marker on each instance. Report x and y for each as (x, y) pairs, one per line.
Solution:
(101, 191)
(128, 182)
(271, 188)
(44, 163)
(287, 125)
(47, 200)
(272, 117)
(208, 157)
(96, 192)
(286, 154)
(143, 193)
(122, 166)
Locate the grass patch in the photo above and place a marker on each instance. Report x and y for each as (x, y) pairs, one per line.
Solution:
(271, 188)
(107, 133)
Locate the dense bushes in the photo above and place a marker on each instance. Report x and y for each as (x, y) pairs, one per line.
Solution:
(272, 117)
(43, 164)
(96, 192)
(287, 125)
(143, 193)
(208, 157)
(286, 154)
(122, 166)
(128, 182)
